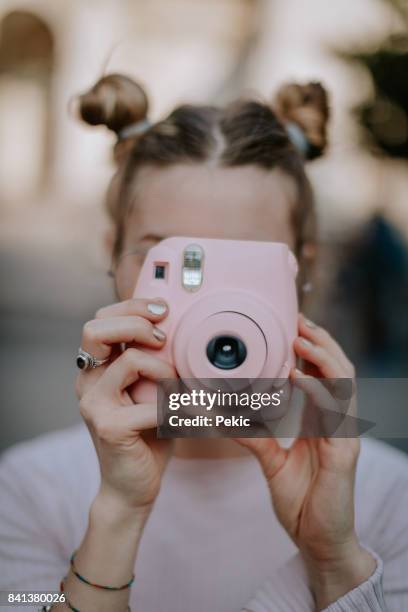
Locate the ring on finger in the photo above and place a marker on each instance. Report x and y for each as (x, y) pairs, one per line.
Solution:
(86, 361)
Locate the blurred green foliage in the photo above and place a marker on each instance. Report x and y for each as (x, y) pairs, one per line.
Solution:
(385, 116)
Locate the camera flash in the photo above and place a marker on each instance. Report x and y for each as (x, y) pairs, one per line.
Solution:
(192, 273)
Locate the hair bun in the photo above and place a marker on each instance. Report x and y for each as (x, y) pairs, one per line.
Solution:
(115, 101)
(306, 106)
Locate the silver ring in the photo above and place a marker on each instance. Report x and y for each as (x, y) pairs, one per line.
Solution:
(86, 361)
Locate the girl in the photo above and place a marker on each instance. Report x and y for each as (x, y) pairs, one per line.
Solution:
(203, 525)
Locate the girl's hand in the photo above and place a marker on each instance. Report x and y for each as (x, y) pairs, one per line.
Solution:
(312, 483)
(131, 458)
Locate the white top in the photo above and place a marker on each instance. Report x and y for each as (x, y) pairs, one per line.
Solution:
(212, 542)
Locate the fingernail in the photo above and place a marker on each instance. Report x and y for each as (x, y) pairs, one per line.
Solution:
(298, 372)
(156, 308)
(159, 334)
(306, 342)
(309, 323)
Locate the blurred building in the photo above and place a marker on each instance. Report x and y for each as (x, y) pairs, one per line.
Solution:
(191, 50)
(54, 171)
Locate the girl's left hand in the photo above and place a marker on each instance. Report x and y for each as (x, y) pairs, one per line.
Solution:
(312, 482)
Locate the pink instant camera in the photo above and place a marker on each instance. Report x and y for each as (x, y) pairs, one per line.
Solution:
(232, 308)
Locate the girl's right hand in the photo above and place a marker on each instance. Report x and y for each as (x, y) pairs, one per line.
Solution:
(131, 458)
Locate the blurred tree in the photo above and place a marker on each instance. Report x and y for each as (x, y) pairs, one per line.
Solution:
(385, 117)
(370, 294)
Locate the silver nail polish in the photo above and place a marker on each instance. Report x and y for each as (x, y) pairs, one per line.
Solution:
(309, 323)
(159, 334)
(306, 342)
(156, 309)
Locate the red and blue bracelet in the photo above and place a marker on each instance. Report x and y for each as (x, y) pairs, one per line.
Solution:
(98, 586)
(68, 603)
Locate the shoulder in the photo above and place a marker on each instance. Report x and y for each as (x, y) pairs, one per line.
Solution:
(381, 463)
(55, 445)
(65, 456)
(382, 496)
(47, 486)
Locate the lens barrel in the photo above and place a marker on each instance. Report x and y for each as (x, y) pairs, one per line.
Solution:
(226, 352)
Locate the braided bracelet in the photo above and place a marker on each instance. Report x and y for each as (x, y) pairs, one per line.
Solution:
(98, 586)
(67, 602)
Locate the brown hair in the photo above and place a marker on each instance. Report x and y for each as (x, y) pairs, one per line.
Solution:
(244, 132)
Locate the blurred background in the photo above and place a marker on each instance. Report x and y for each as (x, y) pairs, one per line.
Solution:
(54, 171)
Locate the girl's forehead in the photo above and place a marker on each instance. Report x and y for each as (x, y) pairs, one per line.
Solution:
(245, 202)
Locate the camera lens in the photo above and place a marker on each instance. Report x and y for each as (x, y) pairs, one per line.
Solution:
(226, 352)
